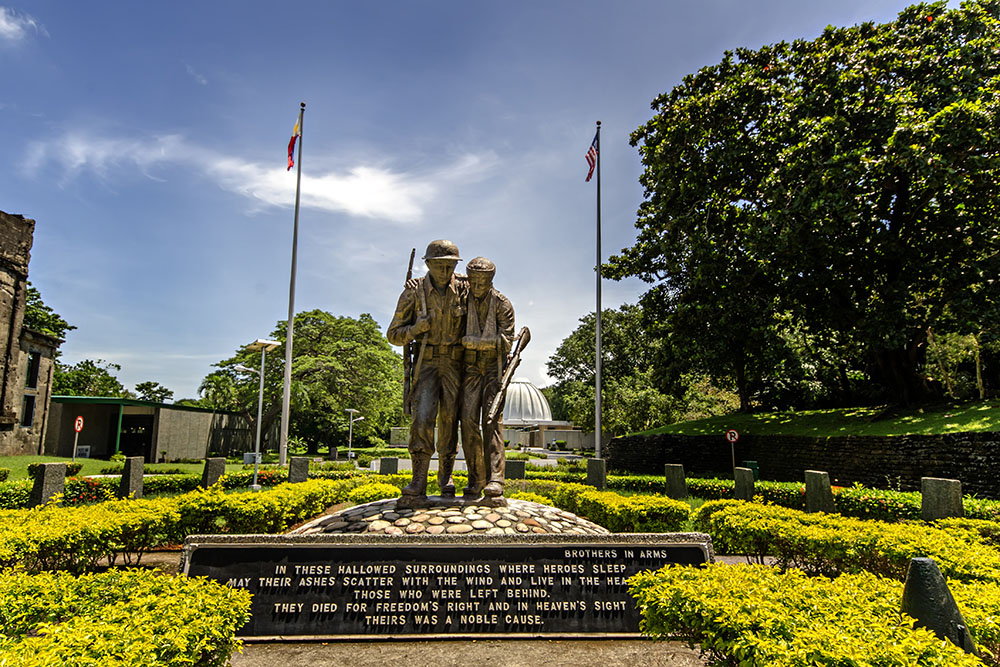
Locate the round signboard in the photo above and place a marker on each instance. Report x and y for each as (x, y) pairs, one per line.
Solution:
(78, 424)
(732, 435)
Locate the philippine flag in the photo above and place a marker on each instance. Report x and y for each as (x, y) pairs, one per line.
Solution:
(296, 133)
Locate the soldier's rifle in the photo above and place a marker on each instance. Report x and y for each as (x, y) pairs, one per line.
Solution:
(408, 350)
(515, 358)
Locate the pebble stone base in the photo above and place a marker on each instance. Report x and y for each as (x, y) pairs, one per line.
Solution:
(520, 517)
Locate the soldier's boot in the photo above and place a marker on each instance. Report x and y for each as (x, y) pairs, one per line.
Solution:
(493, 490)
(445, 465)
(418, 484)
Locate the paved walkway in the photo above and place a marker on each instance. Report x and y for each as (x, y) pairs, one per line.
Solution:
(485, 653)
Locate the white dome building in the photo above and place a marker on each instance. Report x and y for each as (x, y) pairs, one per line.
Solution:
(526, 405)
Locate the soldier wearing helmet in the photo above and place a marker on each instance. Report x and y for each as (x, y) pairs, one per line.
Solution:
(431, 313)
(489, 332)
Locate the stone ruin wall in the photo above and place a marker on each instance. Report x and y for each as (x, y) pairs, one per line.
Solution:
(16, 233)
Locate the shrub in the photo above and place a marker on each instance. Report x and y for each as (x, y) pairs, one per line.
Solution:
(639, 513)
(371, 492)
(72, 468)
(759, 616)
(830, 544)
(880, 504)
(530, 497)
(15, 494)
(80, 538)
(134, 617)
(4, 474)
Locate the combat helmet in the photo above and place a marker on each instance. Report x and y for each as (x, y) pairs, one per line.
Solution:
(442, 249)
(482, 265)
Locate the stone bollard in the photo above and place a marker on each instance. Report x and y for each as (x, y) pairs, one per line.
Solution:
(514, 469)
(744, 483)
(597, 473)
(940, 498)
(298, 469)
(131, 482)
(388, 465)
(49, 481)
(215, 467)
(333, 453)
(926, 597)
(676, 484)
(819, 495)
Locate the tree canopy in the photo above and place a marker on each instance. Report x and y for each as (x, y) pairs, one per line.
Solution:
(88, 378)
(40, 317)
(337, 363)
(827, 204)
(153, 391)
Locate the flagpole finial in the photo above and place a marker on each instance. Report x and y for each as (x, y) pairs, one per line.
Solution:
(302, 105)
(598, 123)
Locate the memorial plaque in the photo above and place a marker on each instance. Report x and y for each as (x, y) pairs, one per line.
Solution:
(348, 586)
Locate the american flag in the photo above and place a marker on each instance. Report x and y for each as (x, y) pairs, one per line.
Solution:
(592, 157)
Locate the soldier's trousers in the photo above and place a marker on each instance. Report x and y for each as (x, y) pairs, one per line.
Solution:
(435, 400)
(482, 441)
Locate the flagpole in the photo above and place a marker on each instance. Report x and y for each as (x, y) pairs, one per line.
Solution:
(286, 387)
(597, 346)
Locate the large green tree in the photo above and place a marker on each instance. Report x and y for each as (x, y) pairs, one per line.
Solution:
(631, 400)
(847, 185)
(153, 391)
(40, 317)
(88, 378)
(337, 363)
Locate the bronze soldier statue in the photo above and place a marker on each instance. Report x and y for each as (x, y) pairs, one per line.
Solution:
(489, 332)
(431, 315)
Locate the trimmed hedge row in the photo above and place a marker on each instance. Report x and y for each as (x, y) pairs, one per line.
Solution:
(78, 539)
(759, 616)
(830, 545)
(127, 618)
(617, 513)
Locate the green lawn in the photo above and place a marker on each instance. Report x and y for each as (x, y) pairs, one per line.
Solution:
(941, 418)
(19, 465)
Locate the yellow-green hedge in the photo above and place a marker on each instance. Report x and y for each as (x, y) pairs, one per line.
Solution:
(79, 538)
(830, 544)
(120, 618)
(757, 616)
(617, 513)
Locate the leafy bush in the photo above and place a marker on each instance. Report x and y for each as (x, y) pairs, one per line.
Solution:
(638, 513)
(880, 504)
(89, 490)
(81, 538)
(758, 616)
(711, 489)
(15, 494)
(4, 474)
(170, 484)
(530, 497)
(372, 492)
(830, 544)
(134, 617)
(72, 468)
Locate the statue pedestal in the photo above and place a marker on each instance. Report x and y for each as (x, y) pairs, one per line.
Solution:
(424, 502)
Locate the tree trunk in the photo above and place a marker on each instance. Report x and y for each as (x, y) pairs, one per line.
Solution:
(896, 370)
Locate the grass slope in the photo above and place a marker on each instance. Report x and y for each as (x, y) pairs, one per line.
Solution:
(926, 420)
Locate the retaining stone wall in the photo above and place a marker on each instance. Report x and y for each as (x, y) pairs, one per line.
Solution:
(973, 458)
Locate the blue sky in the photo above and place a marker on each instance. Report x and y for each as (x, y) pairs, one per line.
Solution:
(148, 141)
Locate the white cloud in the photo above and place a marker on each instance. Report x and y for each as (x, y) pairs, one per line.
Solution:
(365, 191)
(197, 76)
(14, 26)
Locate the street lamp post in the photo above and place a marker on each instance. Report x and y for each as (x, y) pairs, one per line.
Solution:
(263, 345)
(350, 429)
